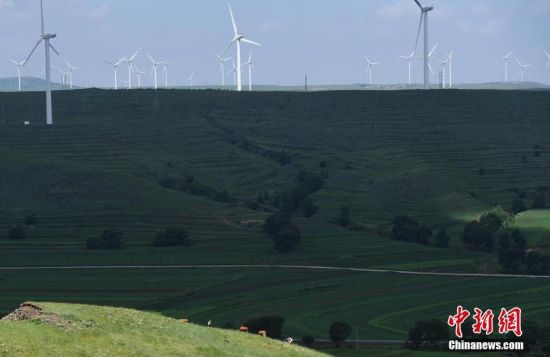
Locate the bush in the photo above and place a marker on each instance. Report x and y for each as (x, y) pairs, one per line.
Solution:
(173, 236)
(109, 239)
(408, 229)
(30, 219)
(308, 207)
(339, 332)
(273, 325)
(427, 333)
(17, 232)
(308, 341)
(477, 236)
(287, 238)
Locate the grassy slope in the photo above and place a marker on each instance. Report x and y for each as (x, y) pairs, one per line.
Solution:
(388, 153)
(104, 331)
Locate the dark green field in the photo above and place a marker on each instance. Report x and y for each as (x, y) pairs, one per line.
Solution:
(443, 157)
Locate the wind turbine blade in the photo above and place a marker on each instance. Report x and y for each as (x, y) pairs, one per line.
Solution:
(151, 58)
(430, 67)
(419, 28)
(519, 62)
(412, 54)
(12, 61)
(108, 62)
(228, 46)
(251, 42)
(120, 61)
(34, 49)
(53, 48)
(42, 16)
(433, 49)
(233, 20)
(417, 3)
(508, 55)
(546, 53)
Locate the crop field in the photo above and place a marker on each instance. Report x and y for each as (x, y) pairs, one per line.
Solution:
(443, 157)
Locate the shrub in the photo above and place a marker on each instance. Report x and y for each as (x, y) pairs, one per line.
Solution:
(273, 325)
(339, 332)
(276, 222)
(17, 232)
(408, 229)
(109, 239)
(173, 236)
(287, 238)
(427, 333)
(442, 239)
(477, 236)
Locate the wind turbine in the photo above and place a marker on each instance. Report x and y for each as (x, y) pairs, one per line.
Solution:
(448, 61)
(222, 67)
(234, 73)
(70, 73)
(250, 64)
(237, 40)
(138, 74)
(443, 69)
(130, 68)
(190, 79)
(165, 71)
(409, 59)
(63, 77)
(424, 18)
(19, 65)
(46, 37)
(115, 66)
(369, 68)
(548, 56)
(522, 68)
(450, 58)
(506, 59)
(154, 68)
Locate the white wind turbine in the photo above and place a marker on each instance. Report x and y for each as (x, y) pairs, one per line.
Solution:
(522, 68)
(547, 56)
(165, 72)
(70, 73)
(443, 69)
(64, 76)
(138, 73)
(234, 73)
(424, 18)
(450, 58)
(506, 59)
(409, 59)
(250, 65)
(130, 60)
(46, 37)
(190, 79)
(19, 65)
(237, 40)
(115, 67)
(222, 67)
(448, 61)
(154, 68)
(369, 68)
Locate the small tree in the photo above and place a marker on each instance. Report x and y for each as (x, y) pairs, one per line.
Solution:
(17, 232)
(173, 236)
(428, 333)
(344, 219)
(109, 239)
(287, 238)
(339, 332)
(308, 341)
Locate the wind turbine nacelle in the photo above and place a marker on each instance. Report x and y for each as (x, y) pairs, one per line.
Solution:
(428, 9)
(48, 36)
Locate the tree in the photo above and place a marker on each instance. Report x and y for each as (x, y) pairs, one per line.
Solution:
(344, 219)
(276, 222)
(442, 238)
(272, 324)
(492, 220)
(339, 332)
(512, 246)
(109, 239)
(408, 229)
(173, 236)
(428, 333)
(308, 340)
(308, 207)
(17, 232)
(477, 236)
(287, 238)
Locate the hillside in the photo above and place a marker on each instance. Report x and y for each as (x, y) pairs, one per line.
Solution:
(28, 84)
(111, 159)
(84, 330)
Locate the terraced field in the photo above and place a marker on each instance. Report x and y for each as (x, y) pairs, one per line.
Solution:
(443, 157)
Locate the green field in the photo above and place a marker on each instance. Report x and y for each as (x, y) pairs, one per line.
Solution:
(442, 157)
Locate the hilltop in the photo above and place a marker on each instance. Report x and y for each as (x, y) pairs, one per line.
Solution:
(84, 330)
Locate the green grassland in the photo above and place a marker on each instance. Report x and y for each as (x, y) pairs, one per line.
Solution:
(103, 331)
(388, 153)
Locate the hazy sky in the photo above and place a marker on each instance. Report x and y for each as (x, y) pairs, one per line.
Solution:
(327, 39)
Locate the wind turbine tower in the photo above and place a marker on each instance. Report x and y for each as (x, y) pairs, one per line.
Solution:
(70, 73)
(369, 68)
(19, 65)
(548, 57)
(115, 67)
(46, 37)
(250, 65)
(222, 67)
(130, 60)
(237, 41)
(409, 59)
(154, 68)
(424, 18)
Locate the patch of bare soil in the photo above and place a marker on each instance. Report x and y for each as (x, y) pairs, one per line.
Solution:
(30, 311)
